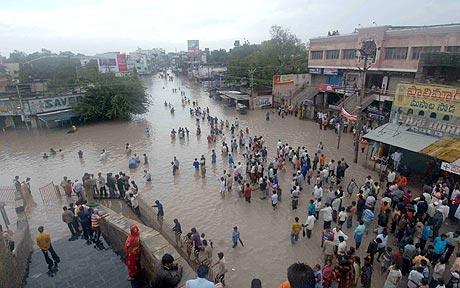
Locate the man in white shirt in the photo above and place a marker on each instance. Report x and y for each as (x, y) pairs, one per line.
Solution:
(317, 191)
(309, 224)
(342, 247)
(391, 176)
(327, 216)
(147, 176)
(396, 156)
(415, 278)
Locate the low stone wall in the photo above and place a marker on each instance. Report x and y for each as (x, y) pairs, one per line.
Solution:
(14, 264)
(116, 228)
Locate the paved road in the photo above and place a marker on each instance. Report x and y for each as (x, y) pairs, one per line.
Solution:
(81, 266)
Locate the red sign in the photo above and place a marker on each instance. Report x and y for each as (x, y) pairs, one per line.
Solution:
(122, 65)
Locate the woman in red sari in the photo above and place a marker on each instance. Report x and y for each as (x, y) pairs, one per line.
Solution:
(133, 252)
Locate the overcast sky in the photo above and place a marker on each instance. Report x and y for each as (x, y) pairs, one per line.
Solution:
(93, 26)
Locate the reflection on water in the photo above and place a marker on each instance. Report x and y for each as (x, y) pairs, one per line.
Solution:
(195, 201)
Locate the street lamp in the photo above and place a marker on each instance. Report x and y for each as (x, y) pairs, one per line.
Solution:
(367, 54)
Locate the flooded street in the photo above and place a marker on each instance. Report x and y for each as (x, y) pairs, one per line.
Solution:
(195, 201)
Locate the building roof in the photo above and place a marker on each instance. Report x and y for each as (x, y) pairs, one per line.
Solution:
(237, 95)
(446, 149)
(399, 136)
(391, 29)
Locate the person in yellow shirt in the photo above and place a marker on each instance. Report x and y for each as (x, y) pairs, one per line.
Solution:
(43, 240)
(295, 230)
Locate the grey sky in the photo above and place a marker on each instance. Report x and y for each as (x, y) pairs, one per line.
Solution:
(92, 26)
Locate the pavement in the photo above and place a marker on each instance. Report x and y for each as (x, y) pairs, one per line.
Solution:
(81, 266)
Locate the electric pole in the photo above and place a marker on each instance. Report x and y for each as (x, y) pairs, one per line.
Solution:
(251, 75)
(23, 114)
(368, 51)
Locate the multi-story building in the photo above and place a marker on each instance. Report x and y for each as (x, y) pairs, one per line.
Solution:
(333, 61)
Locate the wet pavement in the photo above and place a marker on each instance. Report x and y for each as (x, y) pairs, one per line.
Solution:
(81, 266)
(195, 201)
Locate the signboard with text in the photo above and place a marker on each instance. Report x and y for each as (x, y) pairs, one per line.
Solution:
(53, 104)
(444, 100)
(429, 126)
(263, 101)
(450, 167)
(193, 46)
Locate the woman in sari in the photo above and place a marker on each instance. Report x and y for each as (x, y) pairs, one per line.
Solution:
(133, 252)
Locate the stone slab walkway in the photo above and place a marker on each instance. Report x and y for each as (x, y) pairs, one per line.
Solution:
(81, 266)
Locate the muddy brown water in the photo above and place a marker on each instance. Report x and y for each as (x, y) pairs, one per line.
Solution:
(195, 201)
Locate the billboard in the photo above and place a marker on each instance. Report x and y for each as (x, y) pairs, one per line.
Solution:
(122, 65)
(193, 46)
(430, 98)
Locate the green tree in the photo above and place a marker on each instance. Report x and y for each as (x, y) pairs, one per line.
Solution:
(218, 57)
(108, 97)
(284, 53)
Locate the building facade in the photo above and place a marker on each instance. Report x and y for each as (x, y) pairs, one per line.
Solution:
(333, 60)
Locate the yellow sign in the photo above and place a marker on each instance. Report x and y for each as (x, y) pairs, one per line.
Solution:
(439, 99)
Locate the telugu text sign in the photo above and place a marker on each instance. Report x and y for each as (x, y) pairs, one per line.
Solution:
(438, 99)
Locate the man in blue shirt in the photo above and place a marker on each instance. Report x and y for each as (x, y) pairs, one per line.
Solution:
(201, 280)
(440, 244)
(196, 164)
(235, 236)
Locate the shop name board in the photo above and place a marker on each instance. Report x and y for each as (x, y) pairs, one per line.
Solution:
(327, 71)
(450, 167)
(53, 104)
(438, 99)
(263, 101)
(314, 70)
(430, 127)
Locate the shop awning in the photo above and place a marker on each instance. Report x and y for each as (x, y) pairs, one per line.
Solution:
(446, 149)
(59, 115)
(399, 136)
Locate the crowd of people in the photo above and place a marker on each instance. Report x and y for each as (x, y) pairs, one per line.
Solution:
(406, 234)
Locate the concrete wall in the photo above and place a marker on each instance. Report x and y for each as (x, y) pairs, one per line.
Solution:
(115, 230)
(14, 264)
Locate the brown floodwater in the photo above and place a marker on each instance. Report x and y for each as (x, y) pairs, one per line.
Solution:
(195, 201)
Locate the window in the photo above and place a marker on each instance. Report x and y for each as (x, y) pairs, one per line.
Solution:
(455, 49)
(421, 113)
(433, 115)
(332, 54)
(316, 55)
(410, 112)
(445, 118)
(348, 54)
(396, 53)
(416, 51)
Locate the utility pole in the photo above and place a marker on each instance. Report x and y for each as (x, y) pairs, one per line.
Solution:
(23, 114)
(340, 117)
(251, 73)
(367, 51)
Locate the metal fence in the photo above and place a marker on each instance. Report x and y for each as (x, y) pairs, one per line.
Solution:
(49, 193)
(7, 194)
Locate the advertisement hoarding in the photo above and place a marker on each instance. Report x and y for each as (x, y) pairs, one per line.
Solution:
(429, 98)
(193, 46)
(122, 64)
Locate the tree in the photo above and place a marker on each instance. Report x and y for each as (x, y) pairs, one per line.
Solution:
(108, 97)
(284, 53)
(218, 57)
